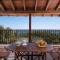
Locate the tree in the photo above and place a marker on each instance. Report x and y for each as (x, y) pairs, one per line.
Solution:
(10, 36)
(1, 34)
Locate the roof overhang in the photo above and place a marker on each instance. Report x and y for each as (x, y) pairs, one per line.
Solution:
(33, 7)
(26, 13)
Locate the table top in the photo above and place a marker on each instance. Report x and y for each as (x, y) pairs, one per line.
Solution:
(33, 47)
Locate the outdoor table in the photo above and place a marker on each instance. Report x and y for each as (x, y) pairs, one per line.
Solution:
(4, 53)
(31, 49)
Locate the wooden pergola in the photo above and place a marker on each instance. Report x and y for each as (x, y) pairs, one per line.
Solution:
(30, 8)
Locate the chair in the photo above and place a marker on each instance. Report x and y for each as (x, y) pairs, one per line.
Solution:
(54, 53)
(11, 47)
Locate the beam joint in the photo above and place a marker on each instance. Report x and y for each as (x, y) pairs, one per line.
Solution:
(12, 4)
(46, 5)
(24, 5)
(1, 6)
(35, 5)
(57, 5)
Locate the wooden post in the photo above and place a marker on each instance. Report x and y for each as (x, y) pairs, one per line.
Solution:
(30, 28)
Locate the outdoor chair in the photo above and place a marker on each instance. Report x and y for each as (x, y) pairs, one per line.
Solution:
(11, 47)
(54, 54)
(28, 52)
(29, 56)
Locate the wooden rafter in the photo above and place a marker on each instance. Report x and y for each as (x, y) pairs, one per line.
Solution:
(57, 5)
(11, 1)
(38, 11)
(35, 5)
(1, 6)
(46, 5)
(24, 5)
(59, 15)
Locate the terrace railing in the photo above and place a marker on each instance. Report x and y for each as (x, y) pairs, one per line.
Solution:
(9, 36)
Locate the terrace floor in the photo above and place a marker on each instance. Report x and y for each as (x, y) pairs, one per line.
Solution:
(11, 55)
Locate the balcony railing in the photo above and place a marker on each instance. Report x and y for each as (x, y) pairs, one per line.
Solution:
(10, 36)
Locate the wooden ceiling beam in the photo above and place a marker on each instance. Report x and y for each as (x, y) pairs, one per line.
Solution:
(31, 11)
(12, 4)
(1, 6)
(27, 14)
(24, 5)
(57, 5)
(35, 5)
(47, 3)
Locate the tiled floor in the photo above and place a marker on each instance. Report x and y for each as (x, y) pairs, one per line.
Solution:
(11, 56)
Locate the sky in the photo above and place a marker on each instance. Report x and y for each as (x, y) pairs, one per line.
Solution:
(38, 22)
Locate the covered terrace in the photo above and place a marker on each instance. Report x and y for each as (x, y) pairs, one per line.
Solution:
(30, 8)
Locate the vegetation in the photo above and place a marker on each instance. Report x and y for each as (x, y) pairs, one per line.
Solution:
(9, 36)
(50, 37)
